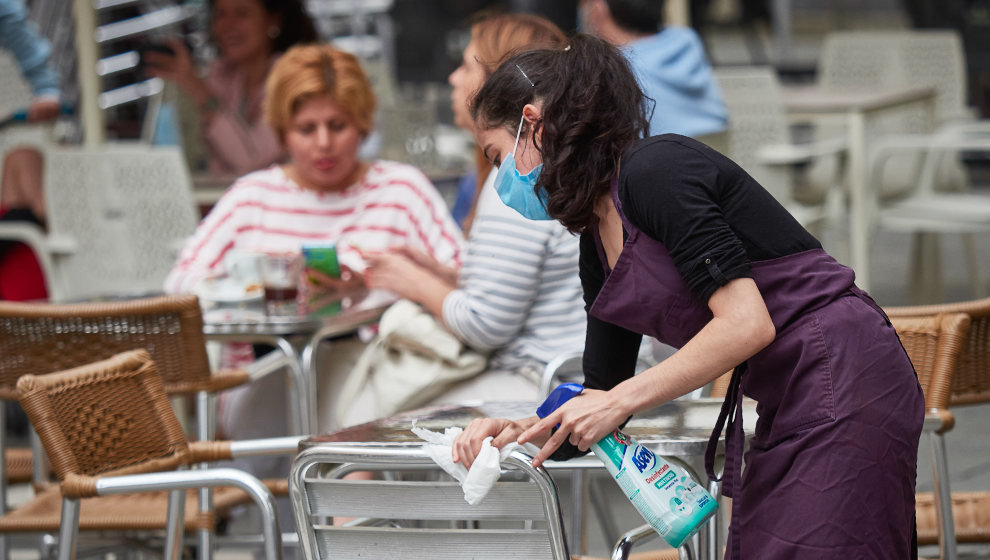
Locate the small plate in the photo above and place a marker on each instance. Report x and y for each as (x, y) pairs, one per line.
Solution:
(225, 290)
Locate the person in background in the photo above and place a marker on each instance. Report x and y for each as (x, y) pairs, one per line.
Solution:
(21, 192)
(492, 37)
(517, 294)
(670, 64)
(320, 104)
(680, 243)
(250, 36)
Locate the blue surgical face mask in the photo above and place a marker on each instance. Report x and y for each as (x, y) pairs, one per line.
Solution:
(518, 191)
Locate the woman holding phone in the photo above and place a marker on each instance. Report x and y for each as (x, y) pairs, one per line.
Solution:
(250, 35)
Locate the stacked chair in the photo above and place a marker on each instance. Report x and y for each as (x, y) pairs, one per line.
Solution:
(109, 429)
(420, 519)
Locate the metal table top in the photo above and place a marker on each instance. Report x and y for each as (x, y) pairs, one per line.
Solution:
(677, 428)
(330, 314)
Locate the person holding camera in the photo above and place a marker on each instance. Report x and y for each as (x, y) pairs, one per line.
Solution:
(250, 35)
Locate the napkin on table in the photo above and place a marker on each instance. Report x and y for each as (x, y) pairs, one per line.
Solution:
(479, 479)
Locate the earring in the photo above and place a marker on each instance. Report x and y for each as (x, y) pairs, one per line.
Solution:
(273, 32)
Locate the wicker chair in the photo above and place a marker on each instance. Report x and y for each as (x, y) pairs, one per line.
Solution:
(43, 338)
(109, 429)
(934, 343)
(970, 385)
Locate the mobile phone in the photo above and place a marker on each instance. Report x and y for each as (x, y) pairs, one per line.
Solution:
(158, 47)
(322, 258)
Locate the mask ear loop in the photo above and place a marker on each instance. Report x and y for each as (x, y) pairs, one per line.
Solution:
(518, 132)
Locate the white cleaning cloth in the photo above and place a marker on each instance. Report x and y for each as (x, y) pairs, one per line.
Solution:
(479, 479)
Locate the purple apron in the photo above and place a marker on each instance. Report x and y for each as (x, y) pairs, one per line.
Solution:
(830, 470)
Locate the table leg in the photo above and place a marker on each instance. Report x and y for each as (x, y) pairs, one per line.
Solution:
(298, 389)
(309, 366)
(859, 230)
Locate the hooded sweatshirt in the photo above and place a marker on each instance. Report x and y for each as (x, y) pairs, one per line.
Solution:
(672, 70)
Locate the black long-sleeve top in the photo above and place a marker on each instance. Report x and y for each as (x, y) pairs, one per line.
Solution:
(712, 217)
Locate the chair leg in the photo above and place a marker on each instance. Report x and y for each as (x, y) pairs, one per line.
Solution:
(943, 499)
(578, 487)
(925, 268)
(599, 502)
(4, 553)
(68, 529)
(206, 431)
(973, 262)
(175, 524)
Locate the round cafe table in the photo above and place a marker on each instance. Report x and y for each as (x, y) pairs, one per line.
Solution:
(297, 335)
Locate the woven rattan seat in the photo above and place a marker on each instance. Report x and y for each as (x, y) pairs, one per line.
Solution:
(103, 422)
(970, 386)
(125, 512)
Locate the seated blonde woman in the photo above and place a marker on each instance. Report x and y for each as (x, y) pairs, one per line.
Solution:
(321, 105)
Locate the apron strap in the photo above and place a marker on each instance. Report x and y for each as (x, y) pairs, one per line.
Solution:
(730, 418)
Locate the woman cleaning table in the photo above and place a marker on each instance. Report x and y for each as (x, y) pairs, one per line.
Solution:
(680, 243)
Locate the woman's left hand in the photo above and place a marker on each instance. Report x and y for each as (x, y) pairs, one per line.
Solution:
(583, 420)
(319, 282)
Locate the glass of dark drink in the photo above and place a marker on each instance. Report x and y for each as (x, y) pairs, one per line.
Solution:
(281, 273)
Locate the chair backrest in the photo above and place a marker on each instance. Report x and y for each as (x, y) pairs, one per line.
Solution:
(421, 519)
(108, 417)
(933, 343)
(858, 60)
(971, 379)
(117, 216)
(44, 338)
(864, 59)
(756, 119)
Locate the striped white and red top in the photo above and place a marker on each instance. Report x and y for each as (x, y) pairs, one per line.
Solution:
(265, 211)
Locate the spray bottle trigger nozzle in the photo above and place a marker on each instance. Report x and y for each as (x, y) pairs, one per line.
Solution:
(557, 397)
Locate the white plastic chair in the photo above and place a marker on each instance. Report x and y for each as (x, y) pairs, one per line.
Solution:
(117, 216)
(760, 142)
(858, 60)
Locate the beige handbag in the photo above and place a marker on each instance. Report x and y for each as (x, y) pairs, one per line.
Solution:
(413, 359)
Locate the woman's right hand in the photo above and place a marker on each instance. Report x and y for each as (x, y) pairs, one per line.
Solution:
(178, 68)
(467, 445)
(446, 273)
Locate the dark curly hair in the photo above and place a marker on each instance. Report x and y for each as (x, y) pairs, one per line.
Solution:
(593, 109)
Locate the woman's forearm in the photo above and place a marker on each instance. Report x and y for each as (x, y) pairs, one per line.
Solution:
(429, 291)
(741, 327)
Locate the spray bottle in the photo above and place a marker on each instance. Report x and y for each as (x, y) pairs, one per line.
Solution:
(664, 494)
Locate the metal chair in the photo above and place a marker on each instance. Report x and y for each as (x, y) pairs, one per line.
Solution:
(44, 338)
(933, 343)
(117, 216)
(110, 431)
(420, 519)
(970, 386)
